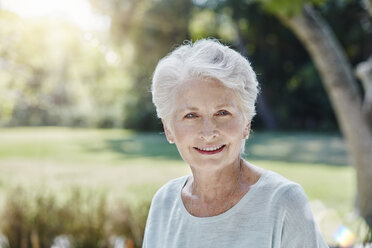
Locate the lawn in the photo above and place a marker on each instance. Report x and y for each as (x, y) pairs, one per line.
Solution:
(133, 165)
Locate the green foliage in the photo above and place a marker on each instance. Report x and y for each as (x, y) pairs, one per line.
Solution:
(207, 23)
(287, 7)
(290, 83)
(283, 7)
(131, 222)
(152, 28)
(35, 218)
(368, 238)
(90, 79)
(55, 74)
(203, 24)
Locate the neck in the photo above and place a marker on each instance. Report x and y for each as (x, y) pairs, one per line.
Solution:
(210, 185)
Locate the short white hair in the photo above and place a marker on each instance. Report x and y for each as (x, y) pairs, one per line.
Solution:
(204, 58)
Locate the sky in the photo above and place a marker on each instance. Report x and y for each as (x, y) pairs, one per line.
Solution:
(78, 12)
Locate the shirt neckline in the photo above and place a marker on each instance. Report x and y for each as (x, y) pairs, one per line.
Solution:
(229, 212)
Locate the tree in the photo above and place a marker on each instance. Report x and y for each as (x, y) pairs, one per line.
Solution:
(53, 73)
(292, 95)
(368, 5)
(341, 86)
(151, 28)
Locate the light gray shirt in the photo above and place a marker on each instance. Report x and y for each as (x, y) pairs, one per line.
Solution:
(275, 212)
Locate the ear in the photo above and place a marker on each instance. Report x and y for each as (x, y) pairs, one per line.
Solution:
(168, 133)
(247, 130)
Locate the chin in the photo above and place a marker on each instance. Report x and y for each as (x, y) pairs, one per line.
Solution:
(208, 163)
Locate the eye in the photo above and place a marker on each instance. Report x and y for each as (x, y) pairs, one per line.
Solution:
(190, 115)
(223, 113)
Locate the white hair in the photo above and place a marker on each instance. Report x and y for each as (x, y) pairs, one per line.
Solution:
(204, 58)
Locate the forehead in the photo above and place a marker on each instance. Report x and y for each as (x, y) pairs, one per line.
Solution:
(206, 92)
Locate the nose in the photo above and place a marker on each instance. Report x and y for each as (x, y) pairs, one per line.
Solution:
(208, 130)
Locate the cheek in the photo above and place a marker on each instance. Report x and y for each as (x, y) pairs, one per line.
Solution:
(233, 128)
(183, 132)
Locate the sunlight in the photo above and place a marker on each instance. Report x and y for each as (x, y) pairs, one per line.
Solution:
(78, 12)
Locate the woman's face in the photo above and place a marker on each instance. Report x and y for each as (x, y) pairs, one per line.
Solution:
(207, 124)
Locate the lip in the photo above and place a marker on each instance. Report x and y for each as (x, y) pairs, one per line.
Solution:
(210, 152)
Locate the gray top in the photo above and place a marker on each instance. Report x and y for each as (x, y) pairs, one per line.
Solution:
(275, 212)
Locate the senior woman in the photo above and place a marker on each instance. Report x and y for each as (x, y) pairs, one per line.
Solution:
(205, 94)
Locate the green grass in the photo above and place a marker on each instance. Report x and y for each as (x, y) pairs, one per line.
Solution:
(296, 147)
(117, 146)
(122, 158)
(134, 165)
(120, 161)
(81, 145)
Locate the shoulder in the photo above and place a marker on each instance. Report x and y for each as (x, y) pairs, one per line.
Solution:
(165, 199)
(289, 191)
(277, 185)
(169, 191)
(282, 193)
(288, 188)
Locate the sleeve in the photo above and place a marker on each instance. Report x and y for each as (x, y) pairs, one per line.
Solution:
(299, 229)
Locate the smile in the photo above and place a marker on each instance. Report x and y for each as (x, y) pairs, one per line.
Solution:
(210, 150)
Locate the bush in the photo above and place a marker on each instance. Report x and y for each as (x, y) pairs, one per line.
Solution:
(30, 223)
(36, 219)
(130, 221)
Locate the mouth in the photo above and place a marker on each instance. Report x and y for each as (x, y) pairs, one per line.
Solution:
(210, 150)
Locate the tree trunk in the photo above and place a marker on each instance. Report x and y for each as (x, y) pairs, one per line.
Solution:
(364, 73)
(368, 6)
(340, 84)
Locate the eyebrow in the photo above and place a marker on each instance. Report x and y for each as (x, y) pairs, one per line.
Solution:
(217, 107)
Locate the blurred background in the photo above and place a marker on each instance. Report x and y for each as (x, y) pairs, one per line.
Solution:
(82, 151)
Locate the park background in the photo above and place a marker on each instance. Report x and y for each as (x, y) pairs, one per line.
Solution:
(81, 149)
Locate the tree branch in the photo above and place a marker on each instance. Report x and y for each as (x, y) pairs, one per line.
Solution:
(364, 73)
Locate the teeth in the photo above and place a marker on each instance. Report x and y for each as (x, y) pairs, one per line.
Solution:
(211, 148)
